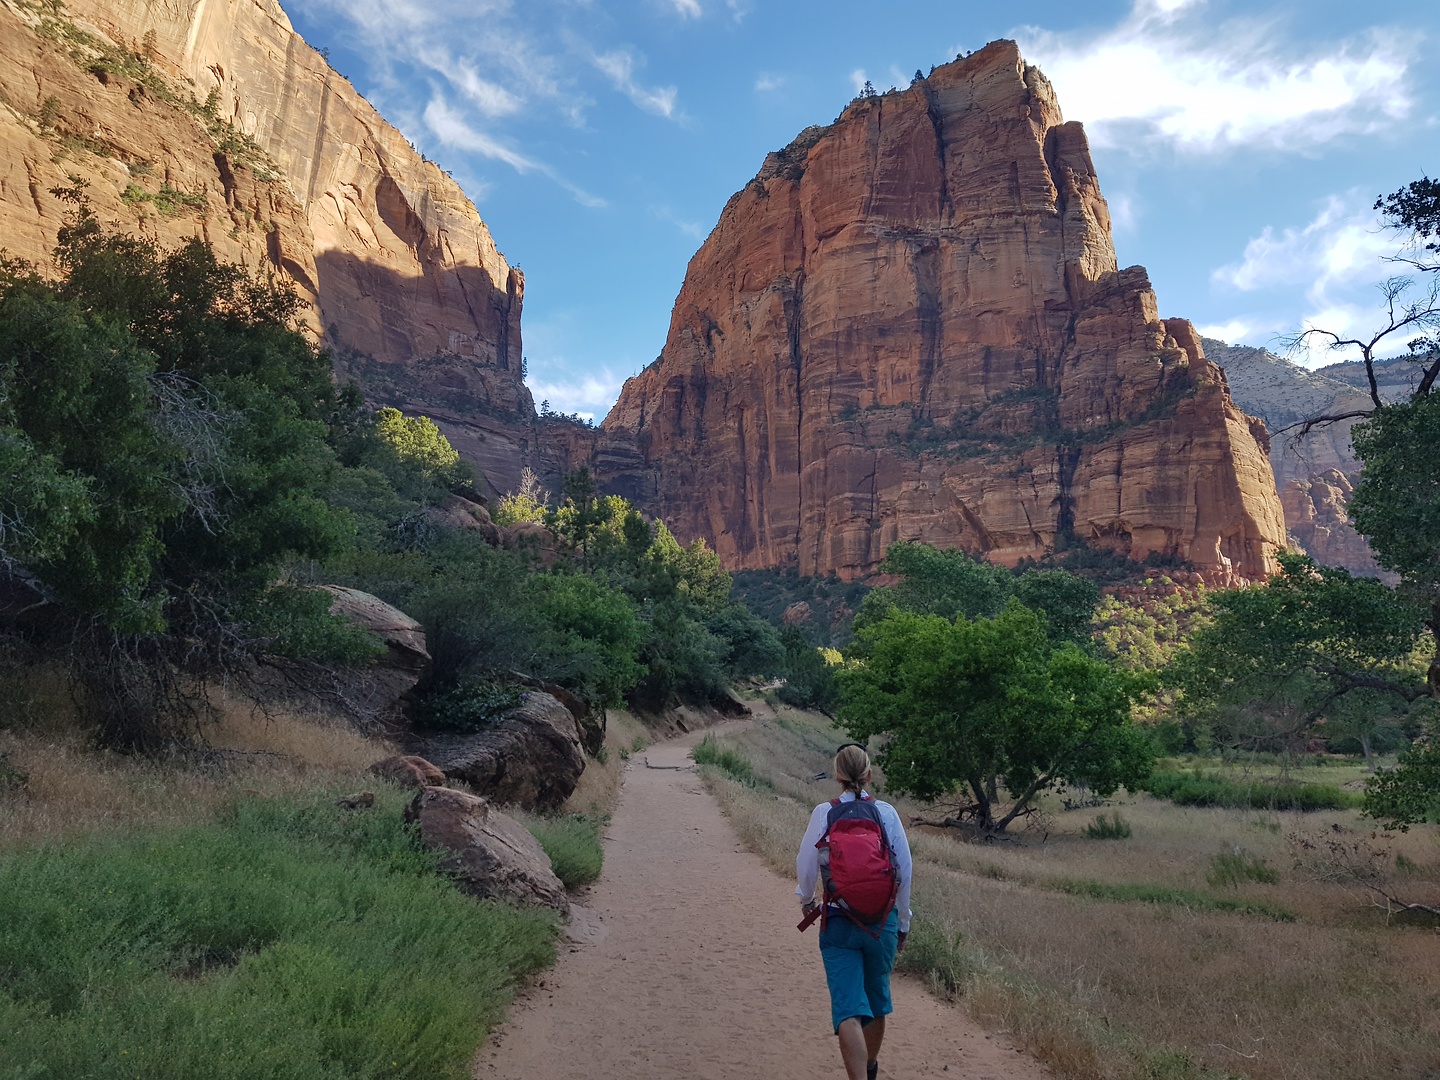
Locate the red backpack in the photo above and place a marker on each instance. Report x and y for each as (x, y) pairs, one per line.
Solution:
(857, 867)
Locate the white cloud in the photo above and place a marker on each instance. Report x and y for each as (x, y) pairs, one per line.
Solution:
(1163, 73)
(768, 83)
(591, 395)
(859, 79)
(1325, 271)
(1341, 245)
(688, 9)
(1238, 331)
(619, 66)
(1124, 216)
(693, 229)
(451, 129)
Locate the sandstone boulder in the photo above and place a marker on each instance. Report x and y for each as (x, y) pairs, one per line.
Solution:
(531, 757)
(375, 692)
(409, 771)
(465, 515)
(492, 856)
(797, 613)
(590, 719)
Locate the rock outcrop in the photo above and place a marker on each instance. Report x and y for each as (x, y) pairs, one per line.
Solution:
(1315, 471)
(491, 855)
(217, 120)
(911, 325)
(530, 757)
(375, 693)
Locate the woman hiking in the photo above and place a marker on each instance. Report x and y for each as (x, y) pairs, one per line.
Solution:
(856, 846)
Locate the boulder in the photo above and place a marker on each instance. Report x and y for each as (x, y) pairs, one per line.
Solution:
(530, 757)
(375, 692)
(492, 855)
(591, 720)
(409, 771)
(463, 514)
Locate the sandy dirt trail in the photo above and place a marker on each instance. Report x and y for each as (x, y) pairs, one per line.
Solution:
(694, 968)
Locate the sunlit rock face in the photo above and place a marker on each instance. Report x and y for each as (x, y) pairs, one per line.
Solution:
(308, 180)
(911, 325)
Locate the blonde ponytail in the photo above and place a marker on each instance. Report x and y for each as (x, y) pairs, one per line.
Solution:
(852, 766)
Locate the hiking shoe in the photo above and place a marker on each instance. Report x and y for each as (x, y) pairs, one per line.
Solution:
(871, 1068)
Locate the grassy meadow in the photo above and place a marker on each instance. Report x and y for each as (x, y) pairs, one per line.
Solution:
(1193, 947)
(219, 915)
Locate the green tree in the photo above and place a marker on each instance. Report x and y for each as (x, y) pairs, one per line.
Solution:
(1282, 656)
(990, 705)
(1409, 794)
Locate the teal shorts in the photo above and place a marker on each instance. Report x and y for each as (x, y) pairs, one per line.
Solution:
(857, 967)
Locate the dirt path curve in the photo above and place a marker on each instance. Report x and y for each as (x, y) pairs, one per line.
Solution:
(694, 968)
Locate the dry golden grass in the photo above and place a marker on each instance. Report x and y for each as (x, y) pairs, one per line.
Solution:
(599, 788)
(72, 787)
(1126, 989)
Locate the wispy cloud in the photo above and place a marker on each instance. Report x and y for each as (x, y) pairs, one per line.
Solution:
(1340, 245)
(1165, 72)
(688, 9)
(766, 84)
(1332, 262)
(452, 129)
(619, 67)
(858, 79)
(693, 229)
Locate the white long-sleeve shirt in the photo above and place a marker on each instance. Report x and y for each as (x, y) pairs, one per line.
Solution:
(807, 862)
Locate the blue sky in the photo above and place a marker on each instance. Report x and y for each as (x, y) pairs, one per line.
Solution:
(1240, 145)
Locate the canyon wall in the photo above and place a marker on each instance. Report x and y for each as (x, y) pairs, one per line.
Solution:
(911, 325)
(213, 118)
(1315, 471)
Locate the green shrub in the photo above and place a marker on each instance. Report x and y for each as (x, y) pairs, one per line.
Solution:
(573, 844)
(1112, 828)
(1204, 789)
(727, 760)
(289, 940)
(1229, 869)
(467, 707)
(938, 955)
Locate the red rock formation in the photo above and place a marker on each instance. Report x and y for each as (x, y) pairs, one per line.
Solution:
(911, 325)
(1315, 512)
(280, 164)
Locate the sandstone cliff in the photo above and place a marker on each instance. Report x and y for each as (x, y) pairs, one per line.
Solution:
(911, 325)
(1315, 471)
(214, 119)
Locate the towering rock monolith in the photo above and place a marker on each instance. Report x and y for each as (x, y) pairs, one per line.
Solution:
(911, 325)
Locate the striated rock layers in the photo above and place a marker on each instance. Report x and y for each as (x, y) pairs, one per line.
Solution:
(214, 119)
(911, 325)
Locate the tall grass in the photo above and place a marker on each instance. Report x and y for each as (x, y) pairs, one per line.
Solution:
(710, 751)
(573, 844)
(1203, 789)
(287, 939)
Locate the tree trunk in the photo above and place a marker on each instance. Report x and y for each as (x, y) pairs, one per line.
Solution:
(1365, 745)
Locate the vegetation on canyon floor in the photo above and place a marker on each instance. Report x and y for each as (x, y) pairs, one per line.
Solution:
(1190, 942)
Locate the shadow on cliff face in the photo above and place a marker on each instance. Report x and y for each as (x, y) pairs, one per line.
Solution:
(444, 311)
